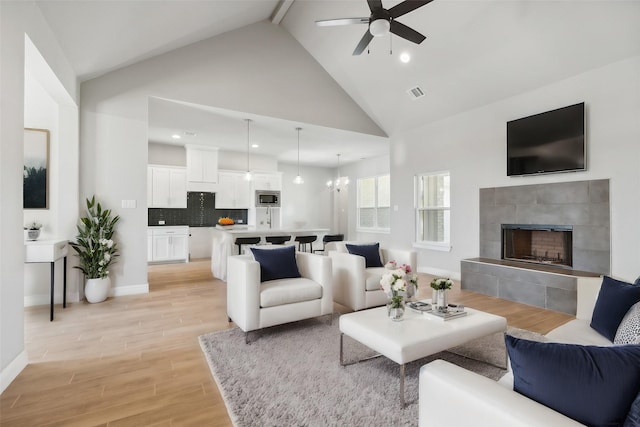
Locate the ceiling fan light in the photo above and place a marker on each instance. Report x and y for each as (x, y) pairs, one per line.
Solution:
(379, 27)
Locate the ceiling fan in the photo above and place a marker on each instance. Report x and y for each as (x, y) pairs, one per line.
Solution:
(381, 22)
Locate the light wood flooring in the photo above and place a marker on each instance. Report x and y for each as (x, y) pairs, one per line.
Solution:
(136, 360)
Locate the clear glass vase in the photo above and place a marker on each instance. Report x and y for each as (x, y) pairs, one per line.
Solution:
(395, 311)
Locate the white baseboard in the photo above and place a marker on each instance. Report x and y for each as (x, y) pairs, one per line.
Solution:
(44, 299)
(454, 275)
(119, 291)
(12, 370)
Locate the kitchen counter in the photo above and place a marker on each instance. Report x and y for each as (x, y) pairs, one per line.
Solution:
(224, 238)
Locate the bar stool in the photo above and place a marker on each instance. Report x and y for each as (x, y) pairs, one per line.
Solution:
(246, 241)
(277, 240)
(329, 238)
(305, 243)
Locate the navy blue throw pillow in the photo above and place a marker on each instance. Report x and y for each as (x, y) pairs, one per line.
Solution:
(371, 253)
(614, 300)
(277, 263)
(592, 385)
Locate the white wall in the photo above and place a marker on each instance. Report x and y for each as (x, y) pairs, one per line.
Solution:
(306, 205)
(472, 147)
(112, 177)
(16, 20)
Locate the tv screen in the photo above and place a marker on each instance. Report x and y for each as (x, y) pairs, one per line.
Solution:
(548, 142)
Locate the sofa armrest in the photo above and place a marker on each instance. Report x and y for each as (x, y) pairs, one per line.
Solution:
(243, 291)
(348, 279)
(318, 269)
(446, 388)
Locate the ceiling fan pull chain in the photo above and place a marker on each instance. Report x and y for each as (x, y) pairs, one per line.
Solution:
(390, 44)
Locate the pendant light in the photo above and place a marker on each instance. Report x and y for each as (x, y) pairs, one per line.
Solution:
(298, 179)
(247, 176)
(338, 183)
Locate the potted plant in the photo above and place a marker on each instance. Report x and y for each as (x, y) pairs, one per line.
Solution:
(32, 230)
(96, 249)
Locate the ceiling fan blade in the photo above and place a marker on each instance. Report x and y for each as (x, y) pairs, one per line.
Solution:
(364, 42)
(405, 32)
(343, 21)
(375, 5)
(406, 7)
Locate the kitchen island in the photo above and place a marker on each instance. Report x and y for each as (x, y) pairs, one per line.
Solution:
(223, 241)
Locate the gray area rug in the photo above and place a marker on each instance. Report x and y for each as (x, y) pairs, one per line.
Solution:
(290, 375)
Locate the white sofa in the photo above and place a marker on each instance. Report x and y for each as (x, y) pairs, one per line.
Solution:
(355, 286)
(446, 388)
(253, 305)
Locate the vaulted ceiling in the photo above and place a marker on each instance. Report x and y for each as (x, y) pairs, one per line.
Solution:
(476, 52)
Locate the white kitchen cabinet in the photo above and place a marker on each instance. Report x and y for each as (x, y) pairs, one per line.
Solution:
(169, 244)
(234, 191)
(166, 187)
(267, 181)
(202, 167)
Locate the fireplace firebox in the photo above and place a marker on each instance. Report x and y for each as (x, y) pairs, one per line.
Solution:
(539, 244)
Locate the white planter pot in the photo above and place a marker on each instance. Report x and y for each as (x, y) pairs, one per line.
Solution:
(97, 290)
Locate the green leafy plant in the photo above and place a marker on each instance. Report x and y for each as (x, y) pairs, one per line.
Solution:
(95, 246)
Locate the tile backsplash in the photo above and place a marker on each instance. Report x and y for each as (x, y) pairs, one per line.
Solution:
(200, 212)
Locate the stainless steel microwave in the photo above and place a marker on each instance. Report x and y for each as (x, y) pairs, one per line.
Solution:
(267, 198)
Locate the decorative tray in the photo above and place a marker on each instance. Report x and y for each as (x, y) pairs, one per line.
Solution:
(425, 307)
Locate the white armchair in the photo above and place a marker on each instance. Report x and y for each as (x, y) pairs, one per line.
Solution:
(253, 305)
(355, 286)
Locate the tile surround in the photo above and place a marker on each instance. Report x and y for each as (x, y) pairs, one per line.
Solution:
(581, 204)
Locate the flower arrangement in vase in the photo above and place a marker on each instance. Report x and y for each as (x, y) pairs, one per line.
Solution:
(96, 249)
(395, 283)
(440, 286)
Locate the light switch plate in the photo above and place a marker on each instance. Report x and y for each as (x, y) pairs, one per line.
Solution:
(128, 204)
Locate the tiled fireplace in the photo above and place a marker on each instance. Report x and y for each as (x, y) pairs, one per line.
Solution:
(538, 244)
(536, 241)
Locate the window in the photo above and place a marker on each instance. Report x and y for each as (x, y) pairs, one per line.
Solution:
(433, 216)
(374, 203)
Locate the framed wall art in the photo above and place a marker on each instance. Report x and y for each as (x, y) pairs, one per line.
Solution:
(36, 169)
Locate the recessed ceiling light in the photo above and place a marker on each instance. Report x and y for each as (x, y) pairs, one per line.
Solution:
(254, 146)
(405, 57)
(176, 136)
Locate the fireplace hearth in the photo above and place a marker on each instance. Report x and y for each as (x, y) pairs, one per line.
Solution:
(538, 244)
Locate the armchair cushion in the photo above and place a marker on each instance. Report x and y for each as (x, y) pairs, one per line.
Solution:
(614, 301)
(370, 253)
(277, 263)
(372, 278)
(593, 385)
(289, 291)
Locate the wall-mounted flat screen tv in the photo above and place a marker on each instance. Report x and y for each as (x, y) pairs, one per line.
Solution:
(549, 142)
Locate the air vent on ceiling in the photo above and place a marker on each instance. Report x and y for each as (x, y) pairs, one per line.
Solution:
(415, 92)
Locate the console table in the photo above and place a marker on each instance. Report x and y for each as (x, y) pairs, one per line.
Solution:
(49, 251)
